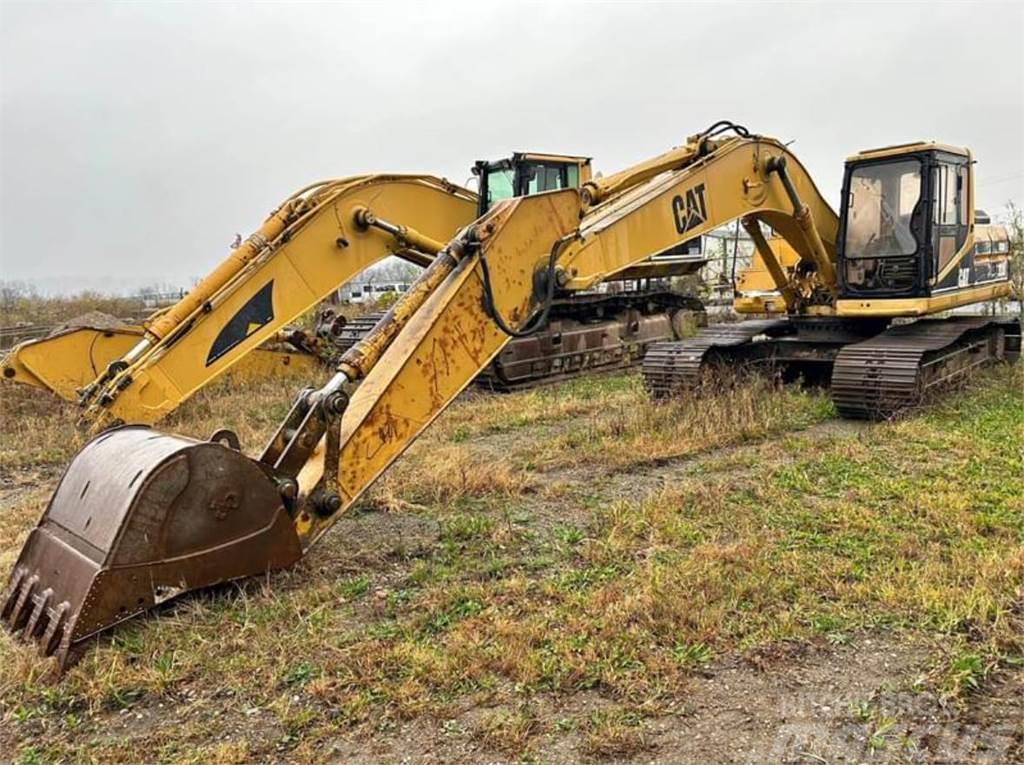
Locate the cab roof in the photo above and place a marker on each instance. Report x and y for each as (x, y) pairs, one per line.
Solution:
(907, 148)
(531, 156)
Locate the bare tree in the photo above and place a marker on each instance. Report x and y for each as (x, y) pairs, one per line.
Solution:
(1014, 218)
(392, 270)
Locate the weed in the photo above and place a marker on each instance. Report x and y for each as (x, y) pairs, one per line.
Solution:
(30, 755)
(569, 535)
(614, 734)
(965, 673)
(300, 674)
(879, 736)
(122, 698)
(691, 654)
(23, 714)
(863, 711)
(353, 589)
(461, 607)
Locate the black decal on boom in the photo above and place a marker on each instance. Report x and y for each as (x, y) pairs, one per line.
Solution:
(257, 312)
(691, 211)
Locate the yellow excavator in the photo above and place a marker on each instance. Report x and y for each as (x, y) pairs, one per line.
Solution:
(317, 240)
(141, 517)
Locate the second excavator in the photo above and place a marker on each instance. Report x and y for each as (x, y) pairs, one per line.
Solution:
(141, 517)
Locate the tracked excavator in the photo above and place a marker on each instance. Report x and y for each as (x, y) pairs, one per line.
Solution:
(907, 245)
(315, 241)
(141, 516)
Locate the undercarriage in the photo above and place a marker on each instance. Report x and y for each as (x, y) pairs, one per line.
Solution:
(874, 370)
(587, 333)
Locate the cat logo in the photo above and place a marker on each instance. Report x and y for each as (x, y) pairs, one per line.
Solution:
(257, 312)
(692, 211)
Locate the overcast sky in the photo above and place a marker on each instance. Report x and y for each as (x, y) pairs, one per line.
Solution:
(137, 138)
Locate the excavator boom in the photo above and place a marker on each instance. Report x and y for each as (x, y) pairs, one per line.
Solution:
(505, 271)
(909, 246)
(312, 244)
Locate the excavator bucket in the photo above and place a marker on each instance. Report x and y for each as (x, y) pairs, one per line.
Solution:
(137, 519)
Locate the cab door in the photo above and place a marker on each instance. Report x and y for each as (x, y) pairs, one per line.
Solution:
(949, 222)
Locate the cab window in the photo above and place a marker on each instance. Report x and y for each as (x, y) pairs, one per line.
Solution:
(945, 195)
(499, 185)
(538, 178)
(882, 200)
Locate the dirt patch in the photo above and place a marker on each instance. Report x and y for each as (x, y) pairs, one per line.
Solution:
(92, 320)
(371, 538)
(805, 704)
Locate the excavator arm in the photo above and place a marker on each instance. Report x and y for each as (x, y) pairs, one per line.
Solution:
(141, 517)
(317, 240)
(502, 272)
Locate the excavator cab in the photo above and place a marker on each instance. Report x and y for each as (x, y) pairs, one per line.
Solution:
(907, 230)
(523, 174)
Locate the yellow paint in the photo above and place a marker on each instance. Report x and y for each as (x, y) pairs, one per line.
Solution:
(439, 348)
(306, 263)
(923, 306)
(758, 288)
(442, 347)
(640, 220)
(906, 148)
(298, 247)
(66, 362)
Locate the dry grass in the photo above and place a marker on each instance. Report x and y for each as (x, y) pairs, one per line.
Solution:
(445, 475)
(640, 431)
(615, 734)
(22, 306)
(510, 732)
(36, 430)
(602, 586)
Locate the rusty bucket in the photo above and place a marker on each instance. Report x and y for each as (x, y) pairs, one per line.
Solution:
(138, 518)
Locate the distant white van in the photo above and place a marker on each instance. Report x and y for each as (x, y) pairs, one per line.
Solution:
(369, 292)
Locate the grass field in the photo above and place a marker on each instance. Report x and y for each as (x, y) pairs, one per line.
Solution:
(564, 575)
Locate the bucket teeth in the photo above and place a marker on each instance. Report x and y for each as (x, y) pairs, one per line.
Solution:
(53, 635)
(36, 624)
(20, 593)
(10, 593)
(33, 614)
